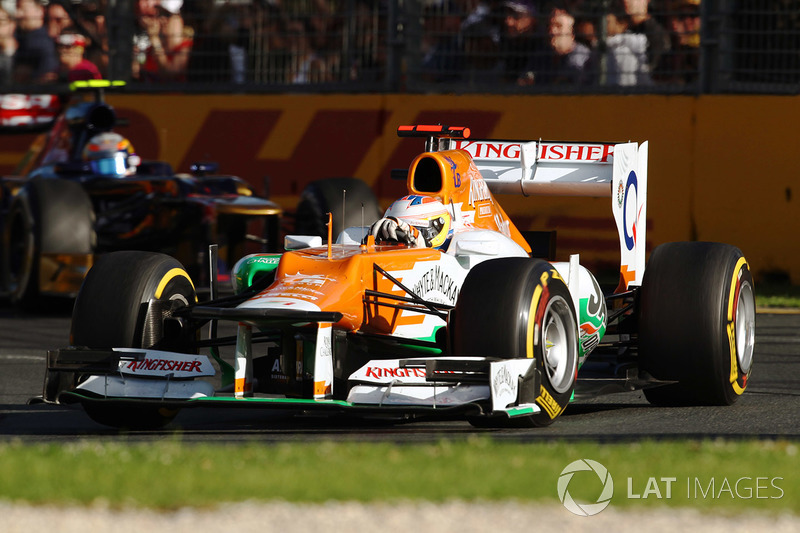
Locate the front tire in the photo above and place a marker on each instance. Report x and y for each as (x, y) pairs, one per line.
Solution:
(112, 311)
(697, 323)
(532, 316)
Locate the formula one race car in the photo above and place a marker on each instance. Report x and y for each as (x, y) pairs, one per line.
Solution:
(83, 191)
(471, 325)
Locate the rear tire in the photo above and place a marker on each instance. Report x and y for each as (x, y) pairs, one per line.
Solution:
(532, 316)
(697, 323)
(325, 196)
(48, 216)
(111, 311)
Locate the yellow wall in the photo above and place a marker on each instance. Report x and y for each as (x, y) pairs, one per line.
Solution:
(721, 168)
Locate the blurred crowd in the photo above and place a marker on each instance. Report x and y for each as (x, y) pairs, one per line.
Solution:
(576, 42)
(59, 41)
(234, 41)
(521, 42)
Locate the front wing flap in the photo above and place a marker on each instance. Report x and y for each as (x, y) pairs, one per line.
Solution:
(499, 385)
(120, 370)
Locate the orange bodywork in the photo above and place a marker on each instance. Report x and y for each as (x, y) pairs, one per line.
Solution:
(338, 283)
(335, 278)
(460, 184)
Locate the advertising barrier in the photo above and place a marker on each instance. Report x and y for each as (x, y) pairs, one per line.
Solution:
(722, 168)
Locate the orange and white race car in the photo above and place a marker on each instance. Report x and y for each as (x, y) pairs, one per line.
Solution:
(449, 314)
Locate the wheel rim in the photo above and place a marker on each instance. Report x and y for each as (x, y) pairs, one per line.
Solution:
(745, 326)
(560, 349)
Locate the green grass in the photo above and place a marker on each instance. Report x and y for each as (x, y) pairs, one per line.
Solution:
(169, 475)
(777, 295)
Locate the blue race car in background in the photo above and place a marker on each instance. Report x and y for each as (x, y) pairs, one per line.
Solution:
(83, 191)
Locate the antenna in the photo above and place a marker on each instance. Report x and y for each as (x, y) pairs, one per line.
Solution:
(344, 203)
(330, 235)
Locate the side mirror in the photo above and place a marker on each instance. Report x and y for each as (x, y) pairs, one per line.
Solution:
(203, 168)
(298, 242)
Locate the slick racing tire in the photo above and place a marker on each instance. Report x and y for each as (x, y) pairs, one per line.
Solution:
(518, 307)
(47, 216)
(111, 310)
(326, 196)
(697, 323)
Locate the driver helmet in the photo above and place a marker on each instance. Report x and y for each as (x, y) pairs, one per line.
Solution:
(111, 154)
(428, 215)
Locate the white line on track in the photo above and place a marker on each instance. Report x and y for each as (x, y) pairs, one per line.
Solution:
(19, 357)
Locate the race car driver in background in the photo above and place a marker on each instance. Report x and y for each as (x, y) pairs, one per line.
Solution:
(111, 154)
(416, 220)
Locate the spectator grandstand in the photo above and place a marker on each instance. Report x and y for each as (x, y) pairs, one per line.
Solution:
(444, 46)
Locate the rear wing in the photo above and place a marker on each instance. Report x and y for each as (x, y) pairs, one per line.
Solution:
(33, 112)
(28, 113)
(542, 167)
(618, 171)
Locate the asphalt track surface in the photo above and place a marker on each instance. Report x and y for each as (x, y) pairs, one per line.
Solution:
(769, 409)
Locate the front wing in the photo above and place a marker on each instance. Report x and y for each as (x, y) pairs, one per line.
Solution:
(417, 387)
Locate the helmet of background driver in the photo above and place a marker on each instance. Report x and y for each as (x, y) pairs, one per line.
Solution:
(428, 215)
(111, 154)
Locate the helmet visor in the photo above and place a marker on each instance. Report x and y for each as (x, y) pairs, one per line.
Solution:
(110, 166)
(433, 231)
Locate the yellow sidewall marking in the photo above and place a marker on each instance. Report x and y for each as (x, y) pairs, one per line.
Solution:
(736, 270)
(530, 338)
(545, 400)
(531, 333)
(731, 328)
(548, 403)
(169, 276)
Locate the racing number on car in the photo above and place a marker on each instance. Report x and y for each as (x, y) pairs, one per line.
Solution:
(456, 175)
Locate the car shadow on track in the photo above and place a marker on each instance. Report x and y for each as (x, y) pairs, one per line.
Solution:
(48, 307)
(47, 422)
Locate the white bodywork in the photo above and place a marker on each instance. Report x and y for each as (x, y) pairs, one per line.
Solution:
(138, 367)
(386, 382)
(618, 171)
(160, 389)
